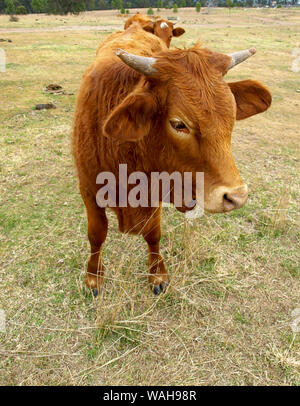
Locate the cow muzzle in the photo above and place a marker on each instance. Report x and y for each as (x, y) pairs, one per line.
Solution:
(224, 199)
(235, 198)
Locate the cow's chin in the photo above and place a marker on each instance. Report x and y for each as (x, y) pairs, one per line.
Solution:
(209, 207)
(213, 206)
(221, 199)
(214, 210)
(183, 209)
(186, 209)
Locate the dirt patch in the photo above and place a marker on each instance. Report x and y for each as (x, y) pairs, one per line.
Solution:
(46, 106)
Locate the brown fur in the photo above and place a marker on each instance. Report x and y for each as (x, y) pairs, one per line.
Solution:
(122, 117)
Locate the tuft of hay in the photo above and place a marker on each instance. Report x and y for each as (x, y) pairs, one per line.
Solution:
(13, 19)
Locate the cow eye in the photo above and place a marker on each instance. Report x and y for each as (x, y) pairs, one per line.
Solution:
(179, 126)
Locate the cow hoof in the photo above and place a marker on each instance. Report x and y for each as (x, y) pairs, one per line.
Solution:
(163, 286)
(95, 292)
(158, 289)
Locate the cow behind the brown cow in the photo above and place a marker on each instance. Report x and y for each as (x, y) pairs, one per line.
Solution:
(170, 110)
(163, 29)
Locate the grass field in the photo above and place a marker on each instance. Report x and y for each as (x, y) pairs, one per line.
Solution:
(235, 280)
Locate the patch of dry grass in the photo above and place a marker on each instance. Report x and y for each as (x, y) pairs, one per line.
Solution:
(226, 317)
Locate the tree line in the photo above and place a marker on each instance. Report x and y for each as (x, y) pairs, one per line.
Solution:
(76, 6)
(12, 7)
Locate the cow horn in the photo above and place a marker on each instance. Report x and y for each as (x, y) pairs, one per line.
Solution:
(142, 64)
(240, 56)
(163, 25)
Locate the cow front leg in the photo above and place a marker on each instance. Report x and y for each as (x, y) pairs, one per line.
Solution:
(158, 275)
(97, 232)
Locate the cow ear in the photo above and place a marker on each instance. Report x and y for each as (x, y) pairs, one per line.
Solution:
(131, 120)
(251, 98)
(178, 31)
(148, 26)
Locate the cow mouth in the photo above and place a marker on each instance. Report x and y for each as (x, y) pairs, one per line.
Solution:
(190, 207)
(223, 200)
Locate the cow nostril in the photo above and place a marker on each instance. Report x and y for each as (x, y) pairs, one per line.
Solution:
(227, 199)
(234, 200)
(229, 203)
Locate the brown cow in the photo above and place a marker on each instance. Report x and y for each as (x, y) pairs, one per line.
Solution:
(142, 19)
(163, 29)
(163, 110)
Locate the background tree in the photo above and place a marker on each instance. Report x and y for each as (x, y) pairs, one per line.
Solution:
(10, 7)
(26, 4)
(65, 6)
(229, 4)
(175, 8)
(21, 10)
(198, 7)
(2, 6)
(89, 4)
(38, 6)
(116, 4)
(150, 11)
(102, 5)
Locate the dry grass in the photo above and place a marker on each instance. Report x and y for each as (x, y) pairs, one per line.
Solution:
(234, 279)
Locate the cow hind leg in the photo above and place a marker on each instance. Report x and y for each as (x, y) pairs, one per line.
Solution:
(97, 232)
(158, 275)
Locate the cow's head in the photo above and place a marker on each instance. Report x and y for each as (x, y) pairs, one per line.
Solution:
(163, 29)
(143, 20)
(184, 112)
